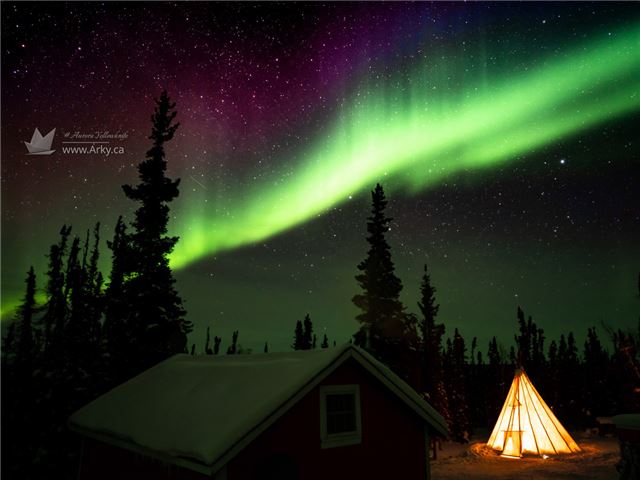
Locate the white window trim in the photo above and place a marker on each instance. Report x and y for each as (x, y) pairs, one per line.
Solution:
(339, 439)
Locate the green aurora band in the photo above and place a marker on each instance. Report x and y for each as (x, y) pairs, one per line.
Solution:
(408, 133)
(413, 131)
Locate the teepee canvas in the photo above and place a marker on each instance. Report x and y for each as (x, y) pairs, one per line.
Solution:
(527, 425)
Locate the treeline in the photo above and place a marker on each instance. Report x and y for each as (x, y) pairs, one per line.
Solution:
(89, 336)
(580, 382)
(468, 387)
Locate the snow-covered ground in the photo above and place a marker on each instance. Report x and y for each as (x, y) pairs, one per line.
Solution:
(475, 461)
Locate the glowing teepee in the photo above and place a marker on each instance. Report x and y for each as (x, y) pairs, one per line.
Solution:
(527, 425)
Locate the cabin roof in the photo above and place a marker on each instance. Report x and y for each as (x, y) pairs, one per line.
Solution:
(199, 411)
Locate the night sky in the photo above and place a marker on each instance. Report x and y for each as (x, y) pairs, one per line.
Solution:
(505, 135)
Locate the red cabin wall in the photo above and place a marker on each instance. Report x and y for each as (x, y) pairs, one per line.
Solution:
(102, 461)
(393, 439)
(393, 443)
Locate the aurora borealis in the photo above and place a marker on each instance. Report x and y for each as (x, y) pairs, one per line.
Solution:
(416, 141)
(503, 133)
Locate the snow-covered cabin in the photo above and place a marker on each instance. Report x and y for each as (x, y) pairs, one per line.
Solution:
(330, 413)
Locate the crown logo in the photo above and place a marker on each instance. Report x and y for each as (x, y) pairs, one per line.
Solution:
(40, 145)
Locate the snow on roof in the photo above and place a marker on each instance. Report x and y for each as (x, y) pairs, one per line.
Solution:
(198, 407)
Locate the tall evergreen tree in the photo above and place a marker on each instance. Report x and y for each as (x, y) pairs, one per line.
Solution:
(118, 337)
(456, 365)
(530, 345)
(431, 347)
(307, 335)
(625, 369)
(207, 347)
(26, 348)
(494, 353)
(596, 396)
(523, 341)
(565, 378)
(95, 296)
(381, 312)
(56, 308)
(83, 328)
(156, 316)
(9, 344)
(20, 358)
(233, 348)
(298, 337)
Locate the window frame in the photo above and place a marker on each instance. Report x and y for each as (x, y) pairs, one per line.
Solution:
(328, 440)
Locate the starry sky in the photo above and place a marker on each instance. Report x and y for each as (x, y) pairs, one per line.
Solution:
(505, 136)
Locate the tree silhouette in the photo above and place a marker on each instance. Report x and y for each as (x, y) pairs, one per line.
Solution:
(156, 317)
(431, 348)
(455, 370)
(20, 360)
(118, 334)
(596, 396)
(233, 348)
(298, 337)
(25, 351)
(382, 313)
(207, 348)
(56, 305)
(307, 333)
(530, 344)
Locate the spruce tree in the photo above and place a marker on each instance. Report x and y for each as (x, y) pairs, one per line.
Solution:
(207, 348)
(325, 342)
(56, 308)
(494, 353)
(381, 312)
(530, 345)
(9, 344)
(497, 380)
(94, 295)
(26, 348)
(596, 392)
(19, 363)
(298, 337)
(117, 334)
(233, 348)
(83, 328)
(458, 402)
(156, 316)
(523, 341)
(431, 348)
(625, 369)
(307, 335)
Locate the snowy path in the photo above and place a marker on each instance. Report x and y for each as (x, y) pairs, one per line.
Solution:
(476, 462)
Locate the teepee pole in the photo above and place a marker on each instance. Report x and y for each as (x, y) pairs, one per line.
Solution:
(544, 428)
(529, 416)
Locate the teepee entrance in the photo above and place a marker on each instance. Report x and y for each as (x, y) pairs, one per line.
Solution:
(527, 425)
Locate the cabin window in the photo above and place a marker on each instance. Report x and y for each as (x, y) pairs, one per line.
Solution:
(340, 415)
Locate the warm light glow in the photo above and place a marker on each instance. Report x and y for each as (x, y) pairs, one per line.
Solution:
(527, 425)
